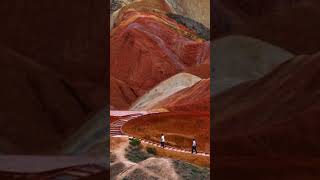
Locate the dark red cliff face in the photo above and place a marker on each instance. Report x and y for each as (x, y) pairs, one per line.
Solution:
(148, 48)
(273, 116)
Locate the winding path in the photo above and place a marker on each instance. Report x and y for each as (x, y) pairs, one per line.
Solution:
(116, 130)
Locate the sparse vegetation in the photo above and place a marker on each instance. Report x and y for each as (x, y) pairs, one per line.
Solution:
(152, 150)
(201, 30)
(190, 171)
(135, 153)
(134, 142)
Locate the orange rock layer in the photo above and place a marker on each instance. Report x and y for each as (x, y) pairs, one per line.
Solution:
(179, 128)
(147, 47)
(195, 99)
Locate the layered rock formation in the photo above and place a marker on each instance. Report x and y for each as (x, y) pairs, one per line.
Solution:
(149, 47)
(195, 98)
(160, 62)
(198, 10)
(164, 90)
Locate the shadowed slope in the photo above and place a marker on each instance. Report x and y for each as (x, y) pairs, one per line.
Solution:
(63, 36)
(275, 115)
(238, 59)
(285, 23)
(38, 95)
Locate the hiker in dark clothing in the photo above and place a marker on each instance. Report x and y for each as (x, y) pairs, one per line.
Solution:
(162, 140)
(194, 146)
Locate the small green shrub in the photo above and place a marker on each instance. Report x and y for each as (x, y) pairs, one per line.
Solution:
(152, 150)
(134, 142)
(136, 154)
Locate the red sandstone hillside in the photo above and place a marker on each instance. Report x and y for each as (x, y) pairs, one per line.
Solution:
(179, 128)
(121, 95)
(148, 47)
(275, 115)
(285, 23)
(163, 90)
(191, 99)
(201, 70)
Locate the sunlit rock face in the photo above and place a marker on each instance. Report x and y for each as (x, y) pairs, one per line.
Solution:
(194, 98)
(266, 116)
(198, 10)
(164, 89)
(149, 47)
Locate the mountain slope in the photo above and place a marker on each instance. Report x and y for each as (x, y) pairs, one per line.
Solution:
(237, 59)
(149, 47)
(37, 94)
(275, 115)
(164, 90)
(193, 99)
(285, 23)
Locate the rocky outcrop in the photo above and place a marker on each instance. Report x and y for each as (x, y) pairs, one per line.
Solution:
(199, 28)
(198, 10)
(121, 94)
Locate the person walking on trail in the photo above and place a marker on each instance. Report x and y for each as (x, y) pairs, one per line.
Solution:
(194, 146)
(162, 140)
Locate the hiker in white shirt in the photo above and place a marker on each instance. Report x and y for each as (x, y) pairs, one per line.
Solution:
(194, 146)
(162, 140)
